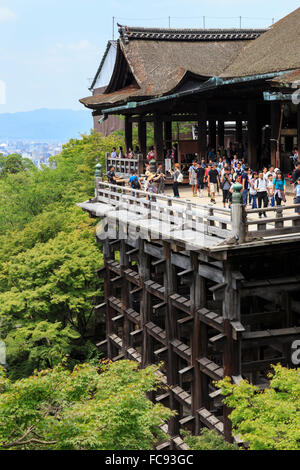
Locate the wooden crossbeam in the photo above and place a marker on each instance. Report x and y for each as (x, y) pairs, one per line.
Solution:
(100, 308)
(102, 344)
(188, 419)
(115, 242)
(132, 252)
(135, 290)
(211, 369)
(211, 421)
(118, 358)
(186, 370)
(182, 396)
(117, 318)
(164, 446)
(185, 320)
(211, 319)
(159, 306)
(162, 397)
(158, 262)
(160, 351)
(136, 332)
(183, 350)
(268, 334)
(186, 272)
(237, 329)
(217, 338)
(262, 317)
(262, 364)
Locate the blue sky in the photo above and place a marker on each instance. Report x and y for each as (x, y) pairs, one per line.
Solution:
(50, 49)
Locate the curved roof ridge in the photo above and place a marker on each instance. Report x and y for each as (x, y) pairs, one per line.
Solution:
(128, 33)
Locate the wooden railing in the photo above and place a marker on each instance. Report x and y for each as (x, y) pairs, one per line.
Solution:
(179, 213)
(280, 220)
(125, 166)
(235, 225)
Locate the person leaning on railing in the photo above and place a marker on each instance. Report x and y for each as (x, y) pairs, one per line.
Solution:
(111, 176)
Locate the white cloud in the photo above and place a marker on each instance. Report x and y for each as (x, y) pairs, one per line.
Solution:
(6, 15)
(82, 45)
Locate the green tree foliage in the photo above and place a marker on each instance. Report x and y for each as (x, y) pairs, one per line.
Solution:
(207, 440)
(14, 163)
(86, 409)
(48, 257)
(269, 419)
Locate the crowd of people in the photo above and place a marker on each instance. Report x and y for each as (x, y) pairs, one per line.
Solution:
(260, 189)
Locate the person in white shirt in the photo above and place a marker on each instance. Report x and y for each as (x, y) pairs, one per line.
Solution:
(114, 153)
(270, 172)
(262, 193)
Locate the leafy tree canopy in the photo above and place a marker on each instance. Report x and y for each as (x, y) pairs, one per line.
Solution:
(207, 440)
(14, 163)
(269, 419)
(86, 409)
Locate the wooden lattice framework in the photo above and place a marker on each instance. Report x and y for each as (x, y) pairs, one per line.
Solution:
(231, 309)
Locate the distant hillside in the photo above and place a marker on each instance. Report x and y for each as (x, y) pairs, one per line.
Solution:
(45, 125)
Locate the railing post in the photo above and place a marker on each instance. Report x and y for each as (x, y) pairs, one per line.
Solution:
(238, 215)
(98, 178)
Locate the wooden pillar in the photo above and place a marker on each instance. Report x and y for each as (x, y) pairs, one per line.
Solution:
(107, 294)
(145, 305)
(171, 334)
(221, 132)
(275, 123)
(142, 136)
(124, 296)
(202, 131)
(199, 342)
(168, 134)
(252, 135)
(128, 133)
(212, 134)
(239, 131)
(158, 137)
(231, 355)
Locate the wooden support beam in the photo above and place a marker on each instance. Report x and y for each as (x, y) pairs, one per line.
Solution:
(136, 332)
(145, 304)
(239, 131)
(142, 136)
(221, 132)
(212, 134)
(158, 262)
(128, 133)
(252, 134)
(202, 134)
(168, 134)
(171, 332)
(275, 123)
(159, 306)
(132, 252)
(136, 290)
(158, 137)
(161, 351)
(117, 318)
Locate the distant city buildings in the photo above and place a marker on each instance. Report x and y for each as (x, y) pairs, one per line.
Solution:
(38, 152)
